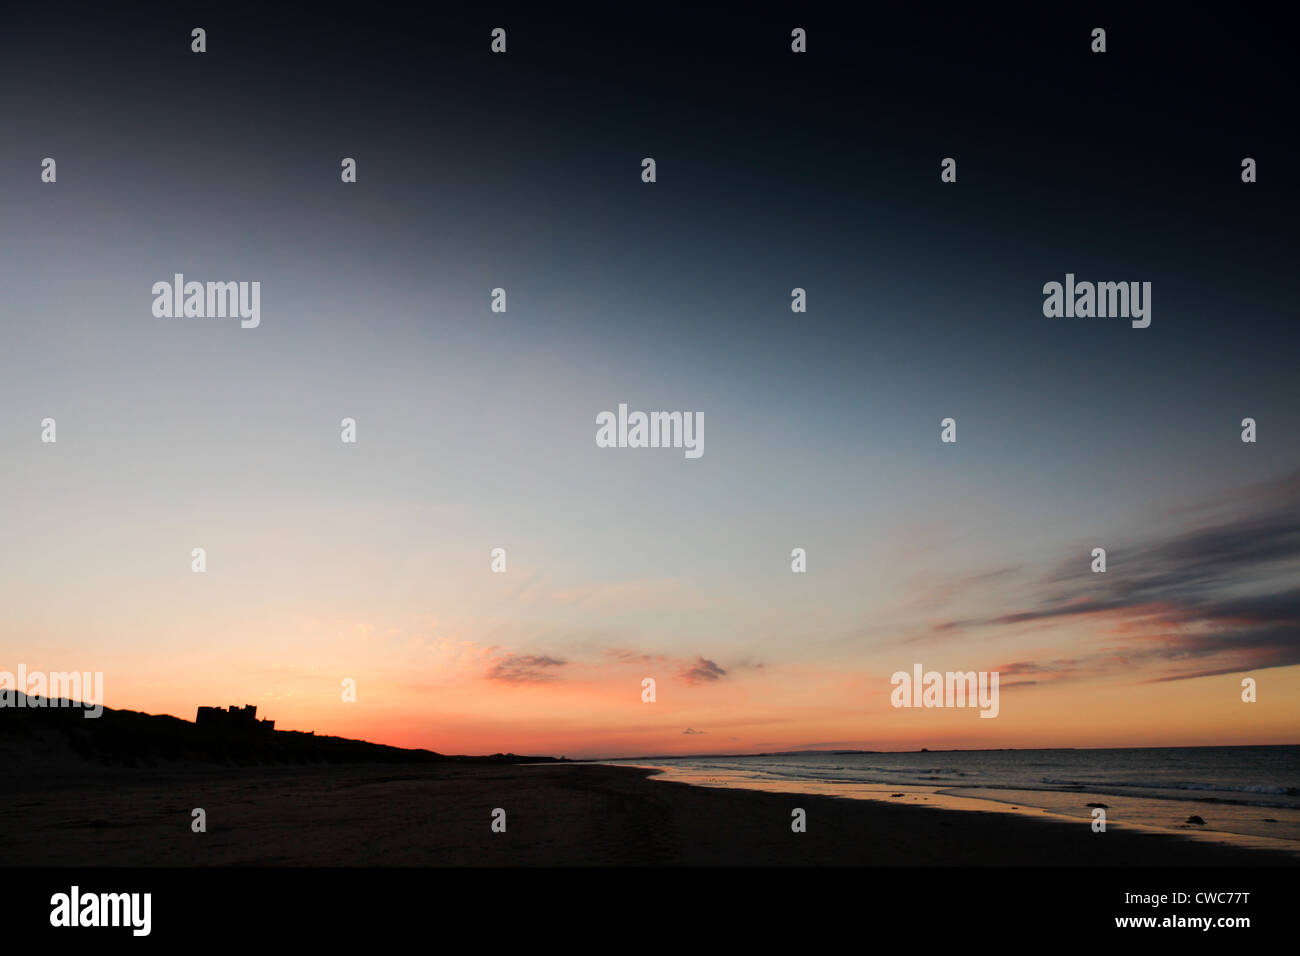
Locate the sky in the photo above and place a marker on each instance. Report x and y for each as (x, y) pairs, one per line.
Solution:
(370, 562)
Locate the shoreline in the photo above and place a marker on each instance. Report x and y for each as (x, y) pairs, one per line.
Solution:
(1009, 801)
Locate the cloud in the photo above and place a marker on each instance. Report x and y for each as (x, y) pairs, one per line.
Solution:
(524, 668)
(1219, 598)
(691, 730)
(701, 671)
(698, 670)
(625, 656)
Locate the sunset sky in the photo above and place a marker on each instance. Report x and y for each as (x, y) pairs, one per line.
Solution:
(328, 561)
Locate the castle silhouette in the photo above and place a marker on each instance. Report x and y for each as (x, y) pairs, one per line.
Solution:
(236, 718)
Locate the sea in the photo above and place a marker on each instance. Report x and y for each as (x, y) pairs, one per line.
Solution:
(1242, 795)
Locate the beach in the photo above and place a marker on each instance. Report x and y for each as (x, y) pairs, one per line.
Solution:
(573, 814)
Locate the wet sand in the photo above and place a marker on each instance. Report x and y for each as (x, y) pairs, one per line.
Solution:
(1243, 827)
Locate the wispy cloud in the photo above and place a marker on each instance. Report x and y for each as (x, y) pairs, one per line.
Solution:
(525, 668)
(1218, 598)
(702, 671)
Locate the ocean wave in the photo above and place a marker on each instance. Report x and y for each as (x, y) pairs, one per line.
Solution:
(1177, 785)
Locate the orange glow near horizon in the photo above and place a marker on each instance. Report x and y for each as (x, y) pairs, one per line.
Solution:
(602, 714)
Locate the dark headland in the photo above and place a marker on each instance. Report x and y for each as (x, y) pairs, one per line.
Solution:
(49, 736)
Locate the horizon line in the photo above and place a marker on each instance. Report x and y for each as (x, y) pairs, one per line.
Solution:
(68, 703)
